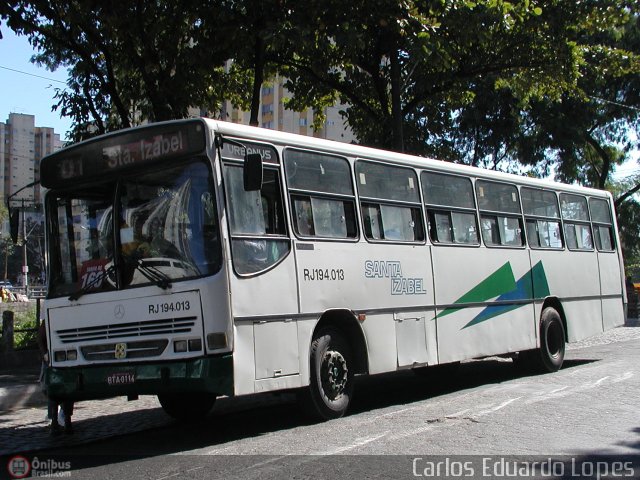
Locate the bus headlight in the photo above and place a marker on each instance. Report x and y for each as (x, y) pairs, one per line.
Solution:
(195, 345)
(65, 355)
(179, 346)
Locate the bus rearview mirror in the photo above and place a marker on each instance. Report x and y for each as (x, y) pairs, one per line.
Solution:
(252, 172)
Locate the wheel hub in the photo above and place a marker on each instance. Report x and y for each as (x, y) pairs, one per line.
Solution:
(334, 373)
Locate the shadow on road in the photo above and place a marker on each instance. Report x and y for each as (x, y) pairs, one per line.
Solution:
(252, 416)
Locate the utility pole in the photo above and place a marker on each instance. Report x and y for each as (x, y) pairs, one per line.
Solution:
(25, 265)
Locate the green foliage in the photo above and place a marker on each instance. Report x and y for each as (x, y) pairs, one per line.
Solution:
(25, 329)
(530, 86)
(127, 61)
(628, 216)
(410, 73)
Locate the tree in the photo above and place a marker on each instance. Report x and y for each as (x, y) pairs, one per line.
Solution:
(578, 134)
(402, 67)
(253, 30)
(128, 61)
(581, 132)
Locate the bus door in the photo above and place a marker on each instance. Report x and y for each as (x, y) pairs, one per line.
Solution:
(263, 283)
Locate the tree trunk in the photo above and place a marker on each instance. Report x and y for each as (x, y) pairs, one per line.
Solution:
(622, 198)
(396, 103)
(258, 78)
(606, 161)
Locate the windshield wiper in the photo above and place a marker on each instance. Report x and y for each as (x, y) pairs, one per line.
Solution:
(97, 280)
(153, 274)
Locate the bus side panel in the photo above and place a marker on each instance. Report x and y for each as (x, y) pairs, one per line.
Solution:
(243, 359)
(379, 330)
(416, 340)
(377, 279)
(363, 277)
(269, 293)
(468, 281)
(268, 356)
(611, 286)
(573, 278)
(256, 359)
(547, 261)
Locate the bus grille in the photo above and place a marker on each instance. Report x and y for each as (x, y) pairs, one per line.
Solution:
(122, 330)
(145, 348)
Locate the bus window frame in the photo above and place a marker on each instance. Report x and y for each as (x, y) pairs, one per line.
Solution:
(413, 207)
(572, 222)
(275, 167)
(609, 226)
(497, 214)
(296, 192)
(538, 218)
(439, 208)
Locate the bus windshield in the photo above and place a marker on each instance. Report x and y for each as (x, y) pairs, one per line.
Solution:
(135, 230)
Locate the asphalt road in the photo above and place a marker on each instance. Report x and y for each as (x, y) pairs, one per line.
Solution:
(400, 424)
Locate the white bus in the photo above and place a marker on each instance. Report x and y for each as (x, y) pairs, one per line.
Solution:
(197, 258)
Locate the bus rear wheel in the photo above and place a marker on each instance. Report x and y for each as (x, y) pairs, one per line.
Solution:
(188, 406)
(550, 356)
(331, 376)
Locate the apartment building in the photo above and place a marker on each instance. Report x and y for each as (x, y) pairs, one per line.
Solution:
(22, 145)
(275, 116)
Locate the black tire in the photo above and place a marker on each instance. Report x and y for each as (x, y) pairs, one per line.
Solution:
(550, 356)
(187, 407)
(331, 376)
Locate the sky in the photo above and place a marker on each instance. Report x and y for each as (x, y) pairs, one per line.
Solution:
(22, 90)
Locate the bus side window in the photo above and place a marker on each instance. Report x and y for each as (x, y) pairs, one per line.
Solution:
(577, 225)
(500, 214)
(542, 217)
(390, 202)
(256, 219)
(602, 224)
(451, 209)
(321, 195)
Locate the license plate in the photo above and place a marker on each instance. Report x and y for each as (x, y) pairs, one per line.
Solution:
(121, 378)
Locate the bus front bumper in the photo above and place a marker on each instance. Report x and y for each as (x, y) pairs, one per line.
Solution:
(209, 374)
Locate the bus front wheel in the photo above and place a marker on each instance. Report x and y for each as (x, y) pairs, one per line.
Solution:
(331, 376)
(187, 407)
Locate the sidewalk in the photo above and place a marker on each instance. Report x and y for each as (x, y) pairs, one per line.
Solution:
(26, 429)
(23, 408)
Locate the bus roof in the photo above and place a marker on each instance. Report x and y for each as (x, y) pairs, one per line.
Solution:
(352, 150)
(329, 146)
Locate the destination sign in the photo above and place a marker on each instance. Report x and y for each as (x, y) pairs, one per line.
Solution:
(119, 151)
(145, 149)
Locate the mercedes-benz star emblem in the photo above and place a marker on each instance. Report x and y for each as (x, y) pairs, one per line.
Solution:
(118, 312)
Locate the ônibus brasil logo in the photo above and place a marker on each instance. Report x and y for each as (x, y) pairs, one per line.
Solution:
(18, 467)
